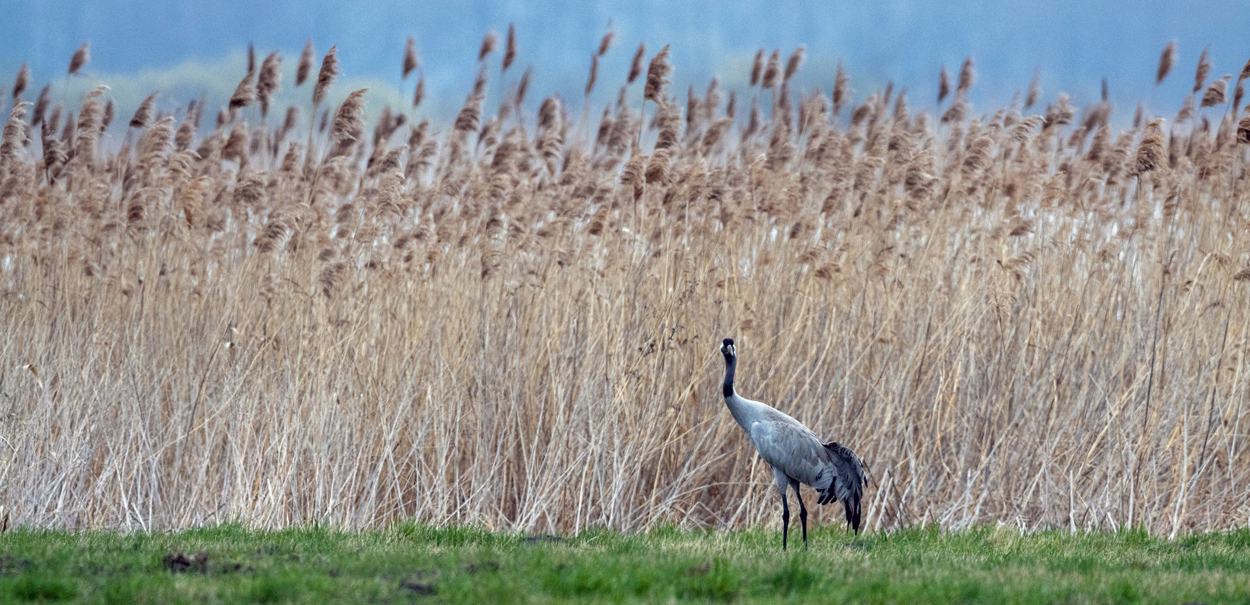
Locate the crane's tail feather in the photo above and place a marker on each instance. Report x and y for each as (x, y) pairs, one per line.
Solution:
(848, 484)
(851, 506)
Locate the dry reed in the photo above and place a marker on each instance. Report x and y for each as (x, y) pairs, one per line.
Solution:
(305, 64)
(1166, 60)
(488, 45)
(483, 325)
(635, 66)
(1204, 69)
(143, 114)
(325, 77)
(79, 58)
(657, 77)
(510, 51)
(410, 57)
(268, 81)
(605, 43)
(20, 83)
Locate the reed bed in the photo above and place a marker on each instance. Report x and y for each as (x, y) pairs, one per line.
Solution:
(1027, 317)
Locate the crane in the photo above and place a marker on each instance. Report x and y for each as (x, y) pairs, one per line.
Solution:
(795, 454)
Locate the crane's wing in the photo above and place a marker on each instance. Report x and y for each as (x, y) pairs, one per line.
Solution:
(785, 444)
(848, 481)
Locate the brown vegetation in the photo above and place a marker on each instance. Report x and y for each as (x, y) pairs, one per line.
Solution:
(1028, 319)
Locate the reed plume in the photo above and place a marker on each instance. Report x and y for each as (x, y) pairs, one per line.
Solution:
(14, 136)
(41, 104)
(633, 175)
(1187, 110)
(54, 152)
(792, 65)
(657, 173)
(957, 111)
(668, 123)
(155, 144)
(967, 76)
(90, 117)
(418, 94)
(841, 90)
(143, 115)
(69, 134)
(410, 57)
(753, 119)
(236, 146)
(1035, 90)
(348, 122)
(268, 80)
(1059, 113)
(479, 83)
(110, 110)
(657, 77)
(79, 59)
(594, 74)
(509, 53)
(470, 116)
(944, 84)
(305, 64)
(635, 66)
(291, 121)
(1151, 153)
(325, 77)
(550, 138)
(757, 67)
(1165, 62)
(1204, 69)
(488, 45)
(771, 70)
(245, 93)
(19, 84)
(605, 42)
(1215, 93)
(900, 106)
(711, 100)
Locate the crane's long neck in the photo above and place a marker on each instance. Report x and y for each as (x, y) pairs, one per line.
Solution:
(738, 406)
(731, 364)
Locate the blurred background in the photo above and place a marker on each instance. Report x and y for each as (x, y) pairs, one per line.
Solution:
(185, 49)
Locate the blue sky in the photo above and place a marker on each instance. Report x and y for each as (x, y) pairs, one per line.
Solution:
(1073, 44)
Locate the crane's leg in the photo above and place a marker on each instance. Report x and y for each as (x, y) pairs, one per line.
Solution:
(783, 482)
(802, 511)
(785, 518)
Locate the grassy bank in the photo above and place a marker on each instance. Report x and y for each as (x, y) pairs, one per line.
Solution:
(420, 563)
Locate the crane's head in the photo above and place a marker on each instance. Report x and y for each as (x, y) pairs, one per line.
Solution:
(727, 349)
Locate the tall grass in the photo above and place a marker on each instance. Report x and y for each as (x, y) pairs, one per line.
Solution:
(1034, 320)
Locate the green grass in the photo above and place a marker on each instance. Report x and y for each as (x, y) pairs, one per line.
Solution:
(418, 563)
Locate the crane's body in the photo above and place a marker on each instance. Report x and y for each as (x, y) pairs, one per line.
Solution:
(796, 454)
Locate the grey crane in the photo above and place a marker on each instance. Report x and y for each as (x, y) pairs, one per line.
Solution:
(795, 454)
